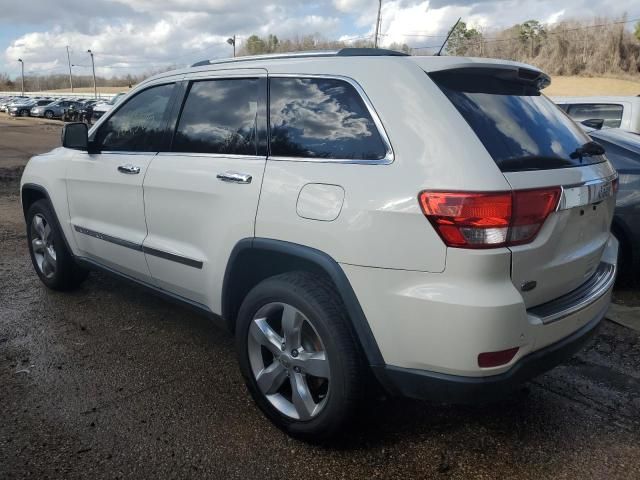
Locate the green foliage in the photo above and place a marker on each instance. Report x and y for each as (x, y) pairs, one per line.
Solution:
(637, 31)
(531, 29)
(462, 39)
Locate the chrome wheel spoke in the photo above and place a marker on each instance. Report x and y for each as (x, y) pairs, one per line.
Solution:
(38, 246)
(271, 378)
(47, 267)
(266, 336)
(301, 397)
(292, 326)
(38, 225)
(312, 363)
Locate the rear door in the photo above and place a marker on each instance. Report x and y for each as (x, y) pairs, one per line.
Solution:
(535, 144)
(201, 195)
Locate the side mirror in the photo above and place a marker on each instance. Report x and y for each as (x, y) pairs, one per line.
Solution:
(76, 136)
(595, 123)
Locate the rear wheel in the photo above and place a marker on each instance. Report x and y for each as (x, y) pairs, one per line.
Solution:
(298, 356)
(51, 259)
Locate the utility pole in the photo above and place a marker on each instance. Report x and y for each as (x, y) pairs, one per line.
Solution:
(22, 74)
(93, 67)
(375, 40)
(232, 41)
(70, 76)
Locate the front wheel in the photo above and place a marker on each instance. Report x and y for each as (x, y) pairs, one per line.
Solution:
(299, 358)
(48, 114)
(51, 259)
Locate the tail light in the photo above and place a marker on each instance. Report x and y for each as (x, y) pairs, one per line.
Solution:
(488, 219)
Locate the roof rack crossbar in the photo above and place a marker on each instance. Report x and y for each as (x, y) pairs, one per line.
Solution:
(343, 52)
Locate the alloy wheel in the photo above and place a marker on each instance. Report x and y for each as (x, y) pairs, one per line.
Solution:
(43, 248)
(289, 361)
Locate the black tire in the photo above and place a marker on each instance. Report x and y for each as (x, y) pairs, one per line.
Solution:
(48, 114)
(67, 274)
(24, 113)
(316, 298)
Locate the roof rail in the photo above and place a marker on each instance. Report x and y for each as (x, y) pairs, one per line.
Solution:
(343, 52)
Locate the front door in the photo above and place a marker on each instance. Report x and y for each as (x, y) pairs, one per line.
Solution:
(105, 189)
(201, 197)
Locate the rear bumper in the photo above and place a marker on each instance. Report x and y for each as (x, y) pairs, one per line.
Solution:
(457, 389)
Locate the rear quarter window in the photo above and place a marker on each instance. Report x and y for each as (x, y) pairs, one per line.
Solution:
(321, 118)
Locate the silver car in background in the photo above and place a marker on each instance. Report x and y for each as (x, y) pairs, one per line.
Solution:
(52, 110)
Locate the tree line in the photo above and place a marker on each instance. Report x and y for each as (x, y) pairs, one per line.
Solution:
(599, 47)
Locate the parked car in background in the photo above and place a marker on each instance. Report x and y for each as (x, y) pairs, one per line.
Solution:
(623, 151)
(616, 112)
(400, 230)
(4, 105)
(55, 109)
(22, 107)
(101, 108)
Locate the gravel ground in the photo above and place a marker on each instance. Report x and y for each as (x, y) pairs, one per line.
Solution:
(110, 382)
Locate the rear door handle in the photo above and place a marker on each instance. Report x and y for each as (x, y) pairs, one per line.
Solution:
(234, 177)
(129, 169)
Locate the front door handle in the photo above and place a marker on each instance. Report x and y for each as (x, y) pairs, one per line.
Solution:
(234, 177)
(129, 169)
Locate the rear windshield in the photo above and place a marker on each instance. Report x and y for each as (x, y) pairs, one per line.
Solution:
(520, 128)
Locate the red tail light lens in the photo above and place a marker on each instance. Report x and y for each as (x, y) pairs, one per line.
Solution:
(488, 220)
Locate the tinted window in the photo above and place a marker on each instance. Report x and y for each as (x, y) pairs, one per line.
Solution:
(219, 116)
(610, 113)
(321, 118)
(138, 125)
(520, 128)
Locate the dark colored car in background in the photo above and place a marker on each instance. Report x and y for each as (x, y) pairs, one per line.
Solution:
(623, 151)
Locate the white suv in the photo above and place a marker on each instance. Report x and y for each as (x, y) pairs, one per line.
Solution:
(434, 223)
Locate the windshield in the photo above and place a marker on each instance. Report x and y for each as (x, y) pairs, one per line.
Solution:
(520, 128)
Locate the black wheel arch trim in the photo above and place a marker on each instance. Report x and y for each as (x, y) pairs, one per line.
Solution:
(324, 262)
(45, 193)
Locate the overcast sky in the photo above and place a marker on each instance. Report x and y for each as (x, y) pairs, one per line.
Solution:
(142, 35)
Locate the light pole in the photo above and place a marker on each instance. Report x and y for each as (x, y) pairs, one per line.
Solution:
(22, 74)
(70, 76)
(93, 67)
(232, 41)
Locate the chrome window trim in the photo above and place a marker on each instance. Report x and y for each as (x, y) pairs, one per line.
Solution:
(586, 193)
(212, 155)
(386, 160)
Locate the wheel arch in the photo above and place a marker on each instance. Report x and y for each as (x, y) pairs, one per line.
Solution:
(255, 259)
(31, 193)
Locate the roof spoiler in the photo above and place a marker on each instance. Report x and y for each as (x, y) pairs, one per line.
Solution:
(503, 71)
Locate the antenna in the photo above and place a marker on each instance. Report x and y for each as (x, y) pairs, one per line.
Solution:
(449, 35)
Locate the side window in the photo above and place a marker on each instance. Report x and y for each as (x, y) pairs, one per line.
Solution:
(610, 113)
(137, 126)
(321, 118)
(219, 116)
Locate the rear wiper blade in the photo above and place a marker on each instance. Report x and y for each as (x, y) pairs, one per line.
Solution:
(588, 149)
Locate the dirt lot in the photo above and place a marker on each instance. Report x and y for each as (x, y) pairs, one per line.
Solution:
(585, 86)
(109, 382)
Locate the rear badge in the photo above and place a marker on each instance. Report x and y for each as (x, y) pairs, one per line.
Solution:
(528, 286)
